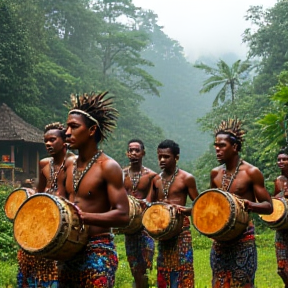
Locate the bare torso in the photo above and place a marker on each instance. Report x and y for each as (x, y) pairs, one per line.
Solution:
(141, 188)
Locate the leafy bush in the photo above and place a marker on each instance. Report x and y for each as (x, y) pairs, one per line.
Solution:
(8, 247)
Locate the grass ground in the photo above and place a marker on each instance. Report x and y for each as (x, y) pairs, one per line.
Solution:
(266, 276)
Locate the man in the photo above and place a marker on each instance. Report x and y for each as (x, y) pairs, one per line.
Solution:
(94, 183)
(50, 167)
(138, 183)
(234, 262)
(173, 185)
(281, 238)
(39, 271)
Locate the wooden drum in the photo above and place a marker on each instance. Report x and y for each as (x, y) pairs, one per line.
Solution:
(278, 219)
(15, 200)
(135, 215)
(219, 215)
(162, 221)
(49, 226)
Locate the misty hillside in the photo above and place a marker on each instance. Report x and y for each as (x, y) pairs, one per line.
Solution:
(177, 109)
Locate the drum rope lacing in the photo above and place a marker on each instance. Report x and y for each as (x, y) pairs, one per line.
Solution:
(166, 184)
(78, 178)
(225, 185)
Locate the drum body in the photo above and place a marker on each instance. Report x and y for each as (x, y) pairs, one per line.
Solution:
(135, 215)
(278, 219)
(162, 221)
(219, 215)
(15, 200)
(49, 226)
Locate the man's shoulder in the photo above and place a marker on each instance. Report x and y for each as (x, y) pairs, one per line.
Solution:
(45, 161)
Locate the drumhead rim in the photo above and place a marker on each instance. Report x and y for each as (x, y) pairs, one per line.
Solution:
(230, 221)
(52, 197)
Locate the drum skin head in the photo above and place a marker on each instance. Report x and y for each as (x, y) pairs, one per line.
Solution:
(13, 202)
(210, 212)
(156, 218)
(33, 235)
(278, 211)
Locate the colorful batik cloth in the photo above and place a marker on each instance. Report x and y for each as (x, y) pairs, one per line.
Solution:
(175, 260)
(140, 251)
(36, 272)
(234, 262)
(281, 245)
(95, 267)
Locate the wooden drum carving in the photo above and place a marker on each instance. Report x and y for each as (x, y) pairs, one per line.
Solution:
(278, 219)
(49, 226)
(219, 215)
(15, 200)
(135, 215)
(162, 221)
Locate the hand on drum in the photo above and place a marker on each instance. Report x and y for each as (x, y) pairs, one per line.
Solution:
(247, 205)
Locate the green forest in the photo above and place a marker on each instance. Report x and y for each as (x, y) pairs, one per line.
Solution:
(51, 49)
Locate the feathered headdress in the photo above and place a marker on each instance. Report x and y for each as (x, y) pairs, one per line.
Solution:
(97, 109)
(232, 127)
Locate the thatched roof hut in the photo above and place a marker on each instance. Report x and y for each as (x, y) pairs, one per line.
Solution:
(20, 145)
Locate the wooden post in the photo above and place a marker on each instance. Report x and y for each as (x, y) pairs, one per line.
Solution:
(13, 161)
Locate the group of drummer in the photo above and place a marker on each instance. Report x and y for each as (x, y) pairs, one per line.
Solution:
(93, 182)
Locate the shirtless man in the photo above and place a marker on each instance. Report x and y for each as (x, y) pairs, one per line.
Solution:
(94, 183)
(173, 185)
(50, 167)
(44, 272)
(281, 237)
(138, 183)
(234, 262)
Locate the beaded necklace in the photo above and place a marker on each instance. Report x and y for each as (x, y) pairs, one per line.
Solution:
(166, 184)
(135, 178)
(77, 175)
(54, 174)
(227, 180)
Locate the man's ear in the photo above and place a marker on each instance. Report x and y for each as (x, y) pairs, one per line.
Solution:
(93, 130)
(144, 152)
(177, 157)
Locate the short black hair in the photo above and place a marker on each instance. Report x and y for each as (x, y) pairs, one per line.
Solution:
(137, 141)
(283, 150)
(174, 147)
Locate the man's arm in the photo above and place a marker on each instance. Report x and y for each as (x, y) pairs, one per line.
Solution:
(42, 181)
(264, 202)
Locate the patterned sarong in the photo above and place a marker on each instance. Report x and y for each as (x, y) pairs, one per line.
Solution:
(281, 245)
(175, 260)
(234, 263)
(95, 267)
(140, 251)
(36, 272)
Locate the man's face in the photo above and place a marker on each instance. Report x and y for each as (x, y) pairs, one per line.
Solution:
(282, 161)
(166, 159)
(135, 153)
(224, 149)
(77, 133)
(53, 141)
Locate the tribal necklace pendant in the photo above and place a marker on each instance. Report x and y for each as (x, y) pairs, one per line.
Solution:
(77, 175)
(228, 179)
(166, 184)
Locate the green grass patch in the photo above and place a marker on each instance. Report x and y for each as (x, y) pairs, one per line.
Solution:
(266, 275)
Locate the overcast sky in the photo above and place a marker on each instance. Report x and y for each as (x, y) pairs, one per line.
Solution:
(205, 27)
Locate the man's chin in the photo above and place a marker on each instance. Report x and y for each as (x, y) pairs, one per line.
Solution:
(220, 160)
